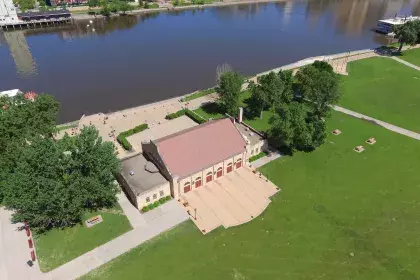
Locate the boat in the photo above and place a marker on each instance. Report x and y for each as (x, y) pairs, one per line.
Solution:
(386, 26)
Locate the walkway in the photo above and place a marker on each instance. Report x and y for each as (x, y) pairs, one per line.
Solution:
(14, 251)
(158, 220)
(406, 63)
(388, 126)
(264, 160)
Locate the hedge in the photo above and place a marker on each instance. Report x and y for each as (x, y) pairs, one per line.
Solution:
(258, 156)
(122, 137)
(175, 115)
(198, 119)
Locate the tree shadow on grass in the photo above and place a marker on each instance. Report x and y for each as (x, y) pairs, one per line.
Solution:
(212, 108)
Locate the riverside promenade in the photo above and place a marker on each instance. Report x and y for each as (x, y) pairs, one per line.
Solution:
(112, 124)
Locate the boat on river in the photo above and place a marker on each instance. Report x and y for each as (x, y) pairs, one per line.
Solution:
(386, 26)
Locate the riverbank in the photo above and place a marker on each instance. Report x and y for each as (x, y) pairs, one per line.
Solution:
(174, 100)
(83, 14)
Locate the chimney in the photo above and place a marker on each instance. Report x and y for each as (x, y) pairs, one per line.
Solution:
(240, 114)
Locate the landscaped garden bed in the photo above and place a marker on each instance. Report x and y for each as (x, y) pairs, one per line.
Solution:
(258, 156)
(155, 204)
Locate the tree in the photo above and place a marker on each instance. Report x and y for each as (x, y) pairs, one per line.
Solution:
(406, 33)
(259, 100)
(229, 88)
(55, 182)
(22, 119)
(323, 66)
(123, 6)
(271, 91)
(294, 129)
(319, 87)
(93, 3)
(25, 5)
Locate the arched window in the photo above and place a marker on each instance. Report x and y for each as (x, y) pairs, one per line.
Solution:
(187, 187)
(198, 182)
(219, 172)
(239, 163)
(209, 177)
(229, 167)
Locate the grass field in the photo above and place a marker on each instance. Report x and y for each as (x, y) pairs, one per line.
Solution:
(412, 56)
(57, 247)
(384, 89)
(340, 215)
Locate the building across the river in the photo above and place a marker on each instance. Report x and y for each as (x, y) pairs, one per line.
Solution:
(8, 13)
(11, 20)
(182, 162)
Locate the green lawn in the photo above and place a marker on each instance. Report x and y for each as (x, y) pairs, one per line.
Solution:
(412, 56)
(340, 215)
(384, 89)
(57, 247)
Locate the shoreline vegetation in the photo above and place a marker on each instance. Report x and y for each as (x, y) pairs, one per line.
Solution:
(78, 13)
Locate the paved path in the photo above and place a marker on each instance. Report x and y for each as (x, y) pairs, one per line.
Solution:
(14, 251)
(133, 215)
(388, 126)
(406, 63)
(158, 220)
(264, 160)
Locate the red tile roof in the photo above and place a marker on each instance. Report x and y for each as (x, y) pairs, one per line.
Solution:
(200, 147)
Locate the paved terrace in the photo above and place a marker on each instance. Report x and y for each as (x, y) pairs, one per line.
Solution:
(112, 124)
(231, 200)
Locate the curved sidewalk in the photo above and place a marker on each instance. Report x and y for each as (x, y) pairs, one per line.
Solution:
(386, 125)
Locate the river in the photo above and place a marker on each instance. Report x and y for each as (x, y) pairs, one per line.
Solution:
(128, 61)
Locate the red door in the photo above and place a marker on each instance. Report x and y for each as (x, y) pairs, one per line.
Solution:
(238, 164)
(209, 178)
(187, 188)
(229, 169)
(219, 173)
(198, 183)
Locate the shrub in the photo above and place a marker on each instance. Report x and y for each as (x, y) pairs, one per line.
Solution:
(156, 204)
(168, 197)
(151, 206)
(194, 117)
(122, 137)
(175, 115)
(258, 156)
(145, 209)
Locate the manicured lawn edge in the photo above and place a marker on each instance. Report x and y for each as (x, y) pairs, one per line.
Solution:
(198, 94)
(122, 137)
(258, 156)
(155, 204)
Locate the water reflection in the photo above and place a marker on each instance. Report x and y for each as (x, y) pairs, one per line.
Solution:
(19, 50)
